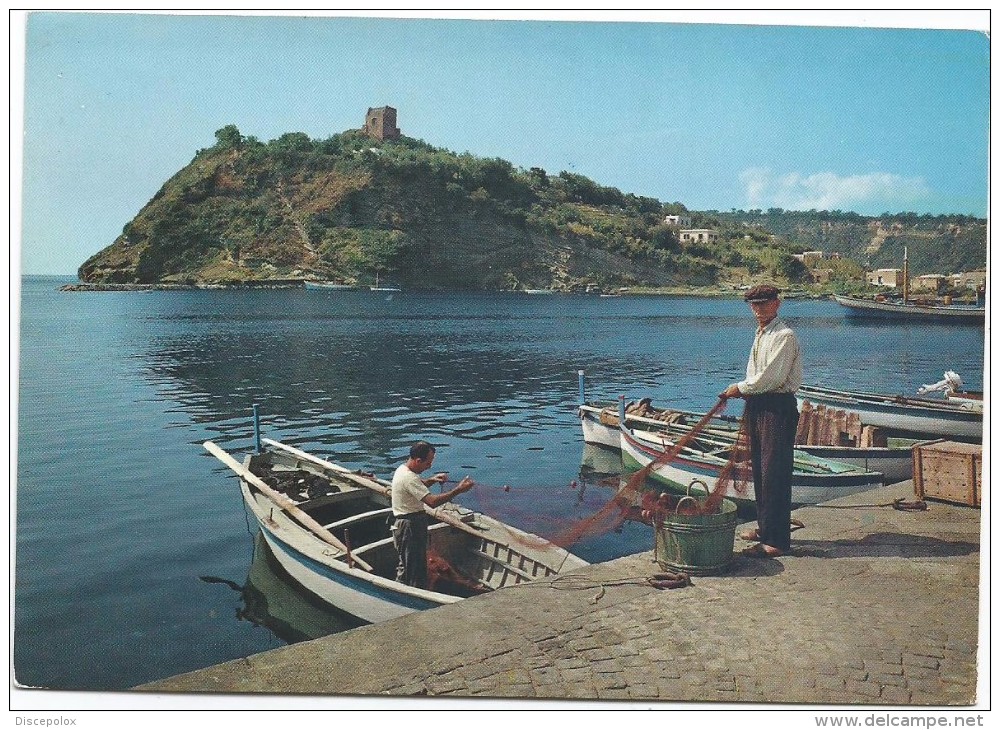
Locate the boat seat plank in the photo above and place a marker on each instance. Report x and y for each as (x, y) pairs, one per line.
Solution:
(369, 547)
(354, 519)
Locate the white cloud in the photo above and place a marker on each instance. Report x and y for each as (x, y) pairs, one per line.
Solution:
(874, 193)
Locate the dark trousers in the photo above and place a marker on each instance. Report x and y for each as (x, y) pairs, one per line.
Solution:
(409, 534)
(772, 419)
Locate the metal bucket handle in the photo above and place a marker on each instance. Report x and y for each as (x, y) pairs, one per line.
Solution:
(682, 500)
(704, 486)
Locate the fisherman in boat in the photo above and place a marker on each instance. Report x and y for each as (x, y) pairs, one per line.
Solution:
(409, 495)
(774, 373)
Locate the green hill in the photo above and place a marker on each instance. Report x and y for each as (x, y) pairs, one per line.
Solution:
(351, 208)
(939, 244)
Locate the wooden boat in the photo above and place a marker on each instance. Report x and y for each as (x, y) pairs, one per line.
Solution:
(901, 415)
(600, 427)
(328, 285)
(327, 527)
(538, 291)
(907, 310)
(814, 480)
(874, 309)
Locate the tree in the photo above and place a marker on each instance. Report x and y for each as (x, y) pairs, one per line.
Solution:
(229, 136)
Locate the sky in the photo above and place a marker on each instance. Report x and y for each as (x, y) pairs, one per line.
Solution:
(677, 106)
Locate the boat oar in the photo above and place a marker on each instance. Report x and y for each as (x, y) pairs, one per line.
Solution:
(347, 474)
(369, 483)
(282, 501)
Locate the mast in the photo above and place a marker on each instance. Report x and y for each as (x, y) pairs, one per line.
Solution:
(906, 275)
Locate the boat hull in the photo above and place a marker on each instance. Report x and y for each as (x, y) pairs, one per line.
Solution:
(895, 463)
(313, 565)
(475, 552)
(329, 286)
(678, 474)
(904, 416)
(596, 432)
(868, 309)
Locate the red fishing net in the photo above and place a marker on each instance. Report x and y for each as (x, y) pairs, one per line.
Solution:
(636, 499)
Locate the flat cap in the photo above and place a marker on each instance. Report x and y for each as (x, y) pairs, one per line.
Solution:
(761, 293)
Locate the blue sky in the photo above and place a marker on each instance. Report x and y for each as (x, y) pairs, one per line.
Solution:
(710, 115)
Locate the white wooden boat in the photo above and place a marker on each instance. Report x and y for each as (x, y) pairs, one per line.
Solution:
(600, 427)
(814, 480)
(327, 527)
(902, 415)
(328, 285)
(875, 309)
(538, 291)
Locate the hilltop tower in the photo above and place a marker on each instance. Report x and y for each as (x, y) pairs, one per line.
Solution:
(380, 123)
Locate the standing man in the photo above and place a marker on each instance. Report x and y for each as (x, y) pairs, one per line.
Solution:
(409, 495)
(774, 373)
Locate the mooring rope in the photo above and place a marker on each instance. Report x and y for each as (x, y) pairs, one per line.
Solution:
(917, 505)
(574, 582)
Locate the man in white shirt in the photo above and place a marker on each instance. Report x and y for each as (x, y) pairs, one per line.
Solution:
(409, 495)
(774, 373)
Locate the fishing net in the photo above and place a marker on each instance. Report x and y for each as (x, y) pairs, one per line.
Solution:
(636, 500)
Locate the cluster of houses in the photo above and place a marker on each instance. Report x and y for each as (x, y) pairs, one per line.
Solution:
(813, 261)
(893, 278)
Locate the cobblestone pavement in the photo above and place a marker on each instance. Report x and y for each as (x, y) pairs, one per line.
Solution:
(874, 606)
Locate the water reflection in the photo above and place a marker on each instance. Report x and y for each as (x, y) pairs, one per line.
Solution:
(271, 599)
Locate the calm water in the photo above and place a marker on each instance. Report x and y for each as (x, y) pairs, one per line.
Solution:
(134, 559)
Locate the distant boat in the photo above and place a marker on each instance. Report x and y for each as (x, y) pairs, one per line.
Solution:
(875, 309)
(882, 308)
(387, 288)
(538, 291)
(328, 285)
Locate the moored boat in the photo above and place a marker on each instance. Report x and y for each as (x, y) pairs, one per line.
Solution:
(328, 529)
(600, 427)
(328, 285)
(901, 415)
(905, 309)
(703, 459)
(885, 309)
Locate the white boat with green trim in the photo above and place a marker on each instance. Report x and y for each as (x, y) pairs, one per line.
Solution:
(814, 480)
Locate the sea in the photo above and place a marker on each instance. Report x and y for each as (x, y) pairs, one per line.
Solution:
(134, 558)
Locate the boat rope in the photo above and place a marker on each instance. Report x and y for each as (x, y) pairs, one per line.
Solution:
(660, 581)
(901, 504)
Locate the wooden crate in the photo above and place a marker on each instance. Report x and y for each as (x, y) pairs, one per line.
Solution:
(949, 471)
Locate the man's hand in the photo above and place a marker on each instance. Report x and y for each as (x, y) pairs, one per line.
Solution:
(465, 485)
(440, 478)
(731, 392)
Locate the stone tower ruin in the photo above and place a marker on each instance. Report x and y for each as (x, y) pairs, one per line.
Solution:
(381, 123)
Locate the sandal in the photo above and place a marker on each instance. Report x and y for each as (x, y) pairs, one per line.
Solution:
(762, 551)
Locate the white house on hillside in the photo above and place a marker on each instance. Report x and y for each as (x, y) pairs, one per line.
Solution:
(701, 235)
